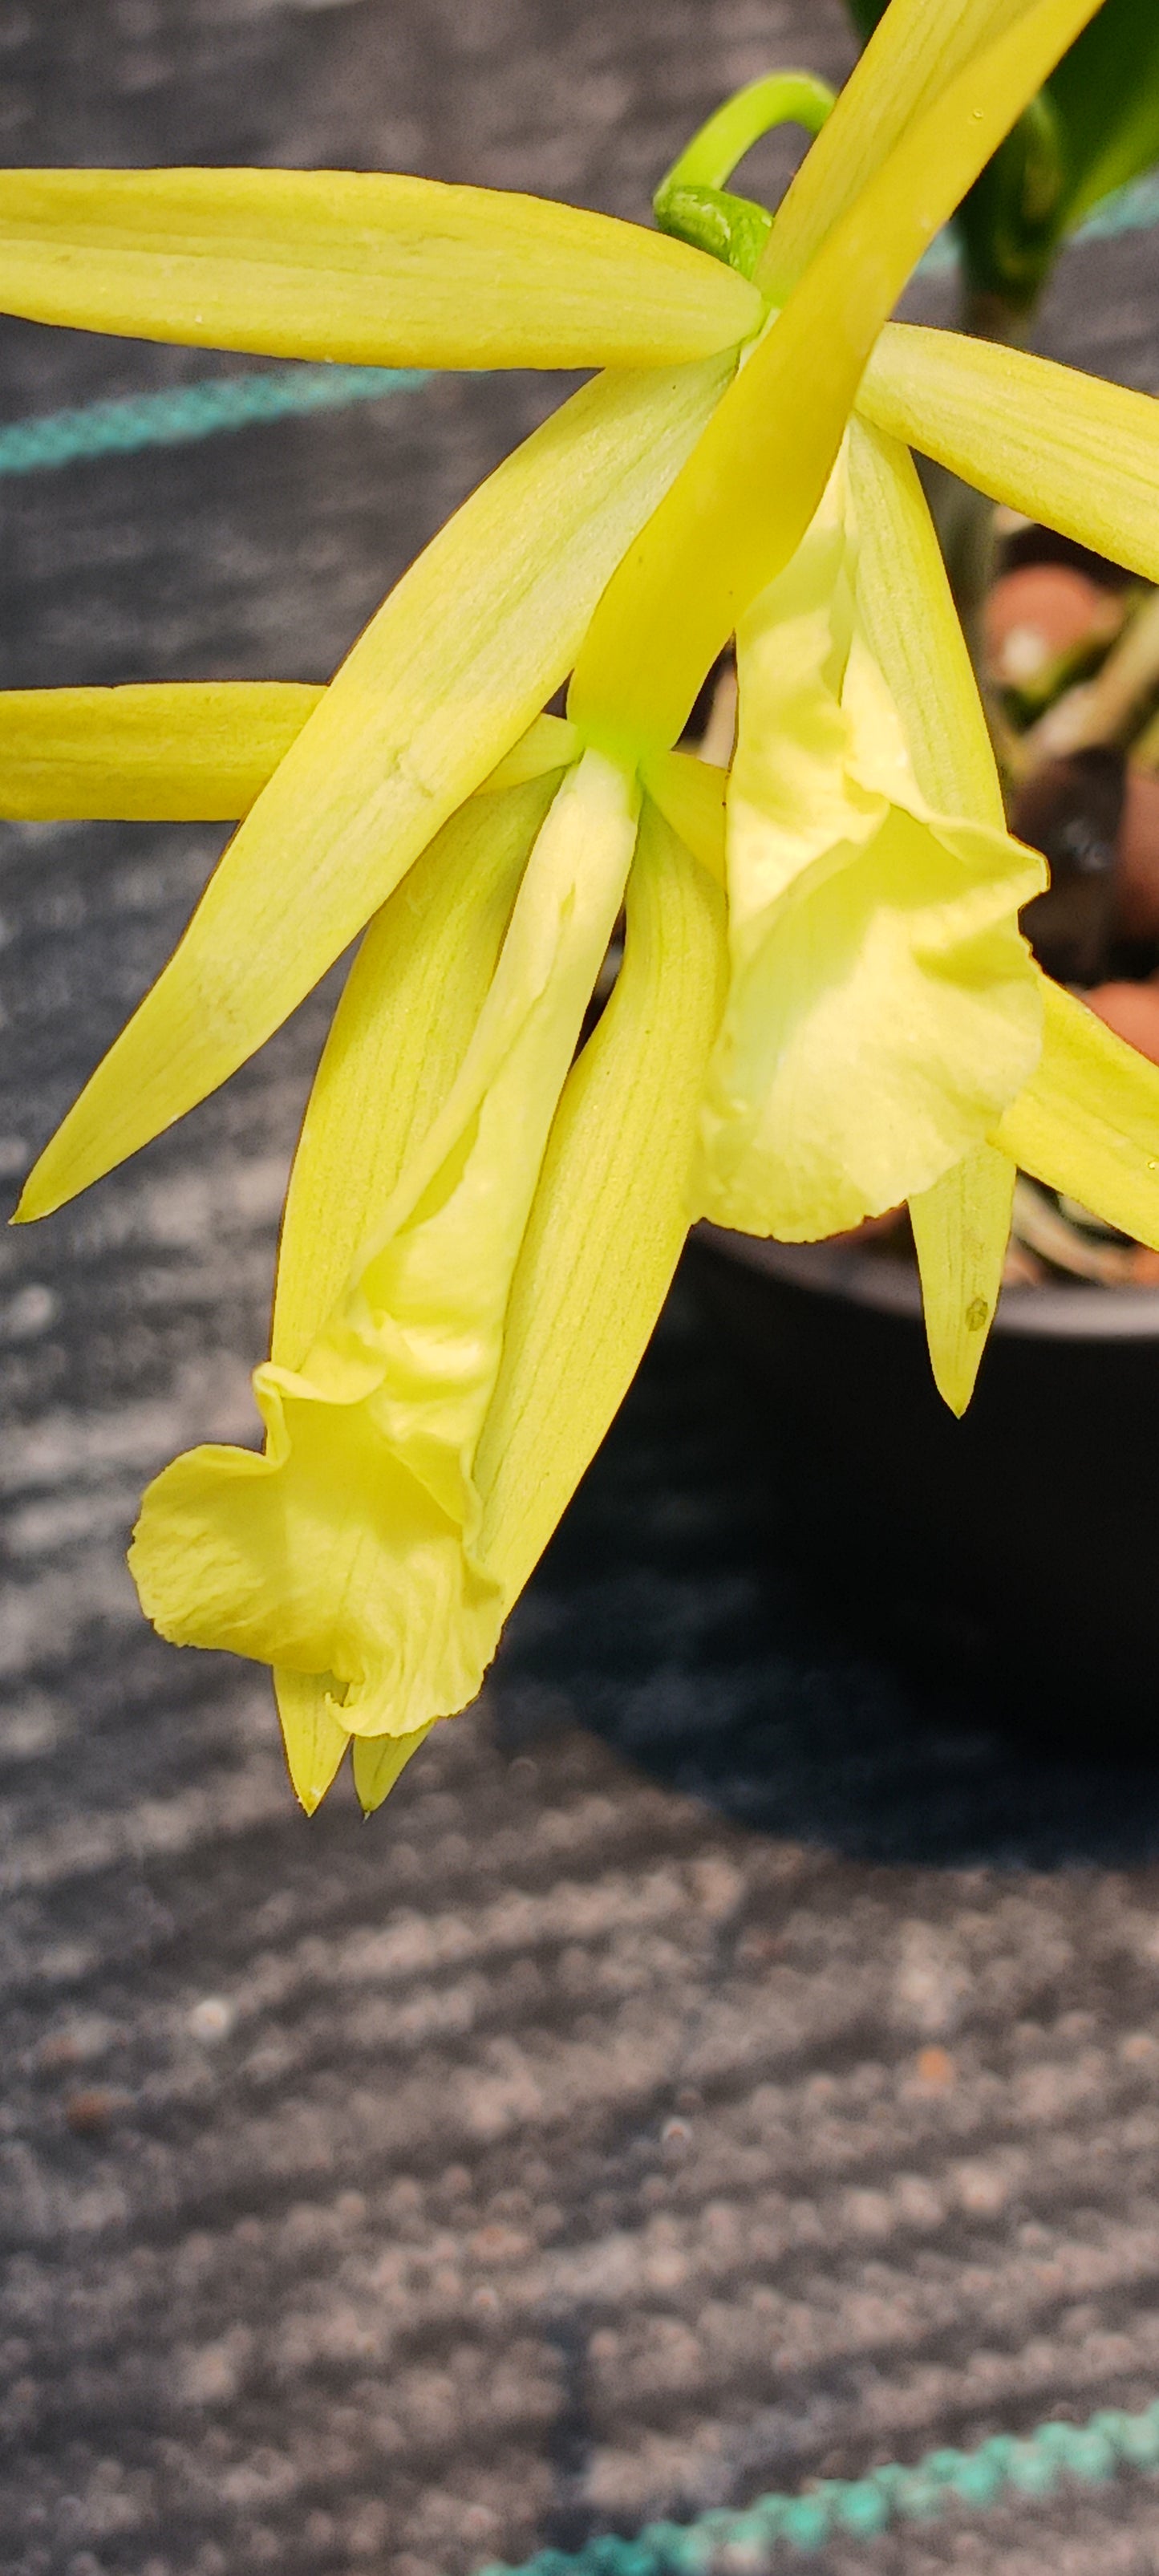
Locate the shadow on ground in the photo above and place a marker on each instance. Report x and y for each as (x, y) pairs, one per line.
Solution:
(679, 1610)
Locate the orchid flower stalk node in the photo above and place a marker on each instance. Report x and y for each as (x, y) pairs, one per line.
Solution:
(823, 1005)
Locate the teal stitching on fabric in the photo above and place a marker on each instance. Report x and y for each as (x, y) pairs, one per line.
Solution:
(233, 402)
(194, 411)
(754, 2541)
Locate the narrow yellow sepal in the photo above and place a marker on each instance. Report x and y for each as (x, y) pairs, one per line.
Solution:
(1079, 454)
(314, 1739)
(182, 751)
(611, 1210)
(690, 795)
(550, 743)
(912, 55)
(169, 751)
(883, 1007)
(907, 615)
(350, 1549)
(741, 506)
(1088, 1121)
(961, 1228)
(448, 675)
(378, 1762)
(339, 264)
(396, 1044)
(961, 1223)
(395, 1047)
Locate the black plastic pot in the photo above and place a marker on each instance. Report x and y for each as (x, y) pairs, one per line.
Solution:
(1023, 1539)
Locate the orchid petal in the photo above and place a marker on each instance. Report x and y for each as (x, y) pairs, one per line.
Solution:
(742, 503)
(961, 1224)
(349, 1550)
(611, 1210)
(396, 1045)
(183, 751)
(378, 1761)
(445, 679)
(395, 1048)
(914, 52)
(354, 265)
(314, 1739)
(907, 615)
(883, 1006)
(690, 794)
(1088, 1121)
(174, 751)
(1079, 454)
(961, 1228)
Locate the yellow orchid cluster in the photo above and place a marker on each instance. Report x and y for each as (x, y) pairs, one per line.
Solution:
(825, 1005)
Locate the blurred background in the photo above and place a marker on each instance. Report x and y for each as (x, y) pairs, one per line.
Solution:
(732, 2056)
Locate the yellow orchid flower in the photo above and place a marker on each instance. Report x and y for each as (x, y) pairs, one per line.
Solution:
(482, 1223)
(883, 1008)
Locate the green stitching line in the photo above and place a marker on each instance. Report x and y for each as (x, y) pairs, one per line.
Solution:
(194, 411)
(234, 402)
(754, 2542)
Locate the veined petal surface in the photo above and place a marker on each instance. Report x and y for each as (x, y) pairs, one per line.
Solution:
(446, 678)
(611, 1210)
(182, 751)
(168, 751)
(907, 615)
(961, 1227)
(1069, 449)
(350, 1549)
(354, 265)
(961, 1223)
(741, 505)
(883, 1006)
(396, 1045)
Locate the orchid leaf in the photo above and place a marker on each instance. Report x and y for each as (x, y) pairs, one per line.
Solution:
(443, 683)
(1105, 93)
(351, 265)
(1069, 449)
(1088, 1121)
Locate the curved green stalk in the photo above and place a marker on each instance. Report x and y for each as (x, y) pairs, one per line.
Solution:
(693, 203)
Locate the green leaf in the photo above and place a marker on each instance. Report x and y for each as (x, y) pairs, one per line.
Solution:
(1106, 94)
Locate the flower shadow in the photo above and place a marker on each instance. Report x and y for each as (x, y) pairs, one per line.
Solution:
(679, 1616)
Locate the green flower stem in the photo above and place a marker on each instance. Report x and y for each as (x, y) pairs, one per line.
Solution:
(778, 98)
(692, 201)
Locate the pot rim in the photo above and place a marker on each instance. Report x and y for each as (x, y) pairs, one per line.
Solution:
(1085, 1312)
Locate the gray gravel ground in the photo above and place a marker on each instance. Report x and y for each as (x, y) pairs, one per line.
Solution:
(722, 2062)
